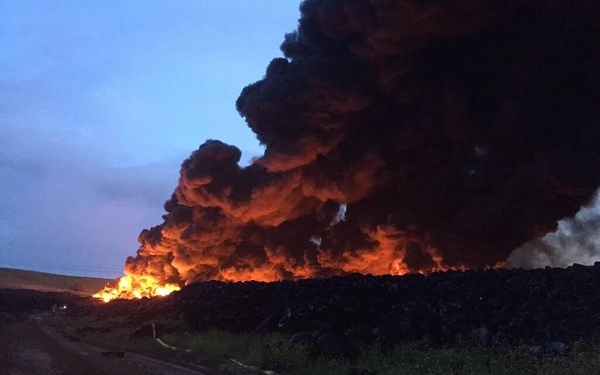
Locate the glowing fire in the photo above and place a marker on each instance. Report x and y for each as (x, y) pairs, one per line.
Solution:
(389, 257)
(130, 287)
(134, 286)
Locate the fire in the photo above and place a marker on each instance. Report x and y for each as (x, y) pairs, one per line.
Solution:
(389, 257)
(138, 286)
(380, 262)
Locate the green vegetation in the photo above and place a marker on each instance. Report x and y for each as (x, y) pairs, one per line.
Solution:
(21, 279)
(272, 352)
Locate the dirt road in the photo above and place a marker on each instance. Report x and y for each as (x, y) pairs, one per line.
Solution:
(30, 346)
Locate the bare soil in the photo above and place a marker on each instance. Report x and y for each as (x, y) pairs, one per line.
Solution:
(30, 345)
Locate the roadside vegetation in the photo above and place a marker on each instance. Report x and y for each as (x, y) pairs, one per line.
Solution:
(274, 354)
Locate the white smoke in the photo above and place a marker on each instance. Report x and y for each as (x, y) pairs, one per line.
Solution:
(340, 216)
(577, 240)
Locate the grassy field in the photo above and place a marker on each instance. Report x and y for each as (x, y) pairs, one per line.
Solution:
(273, 354)
(21, 279)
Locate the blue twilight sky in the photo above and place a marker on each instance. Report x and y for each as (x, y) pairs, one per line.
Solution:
(100, 102)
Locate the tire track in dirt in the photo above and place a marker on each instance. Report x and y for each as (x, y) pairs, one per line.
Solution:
(28, 346)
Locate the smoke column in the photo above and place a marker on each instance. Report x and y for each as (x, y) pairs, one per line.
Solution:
(399, 136)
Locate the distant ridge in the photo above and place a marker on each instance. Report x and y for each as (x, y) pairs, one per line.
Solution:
(23, 279)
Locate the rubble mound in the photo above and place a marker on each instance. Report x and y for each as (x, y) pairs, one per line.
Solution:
(544, 307)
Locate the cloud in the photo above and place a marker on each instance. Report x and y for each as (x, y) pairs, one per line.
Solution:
(65, 212)
(100, 103)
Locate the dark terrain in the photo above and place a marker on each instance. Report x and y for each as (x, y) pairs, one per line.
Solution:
(31, 344)
(547, 309)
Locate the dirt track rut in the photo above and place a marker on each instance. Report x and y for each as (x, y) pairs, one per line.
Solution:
(29, 346)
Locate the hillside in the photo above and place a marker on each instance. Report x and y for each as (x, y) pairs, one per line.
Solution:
(22, 279)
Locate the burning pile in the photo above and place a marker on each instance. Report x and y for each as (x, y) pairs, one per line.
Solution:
(130, 287)
(400, 136)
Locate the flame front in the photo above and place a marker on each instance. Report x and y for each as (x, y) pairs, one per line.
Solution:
(138, 286)
(388, 257)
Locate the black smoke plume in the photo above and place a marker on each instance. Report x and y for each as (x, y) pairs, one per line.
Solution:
(450, 132)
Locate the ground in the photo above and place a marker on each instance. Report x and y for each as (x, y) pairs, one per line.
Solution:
(30, 345)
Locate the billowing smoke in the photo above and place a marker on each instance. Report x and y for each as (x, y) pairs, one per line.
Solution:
(399, 136)
(577, 240)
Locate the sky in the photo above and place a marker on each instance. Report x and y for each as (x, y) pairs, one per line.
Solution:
(101, 101)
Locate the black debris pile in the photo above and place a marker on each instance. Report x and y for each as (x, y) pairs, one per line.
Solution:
(547, 308)
(25, 301)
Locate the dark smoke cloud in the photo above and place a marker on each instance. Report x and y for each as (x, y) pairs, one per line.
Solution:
(451, 132)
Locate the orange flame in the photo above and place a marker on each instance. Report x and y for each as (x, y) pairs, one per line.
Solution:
(131, 287)
(387, 258)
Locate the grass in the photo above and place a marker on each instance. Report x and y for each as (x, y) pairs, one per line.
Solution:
(22, 279)
(273, 352)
